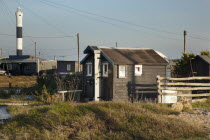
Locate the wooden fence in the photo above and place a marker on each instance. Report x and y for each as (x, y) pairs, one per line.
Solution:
(70, 95)
(183, 84)
(140, 91)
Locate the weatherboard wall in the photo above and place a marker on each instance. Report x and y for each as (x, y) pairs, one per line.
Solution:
(122, 85)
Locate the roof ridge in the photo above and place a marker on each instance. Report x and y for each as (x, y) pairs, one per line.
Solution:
(103, 47)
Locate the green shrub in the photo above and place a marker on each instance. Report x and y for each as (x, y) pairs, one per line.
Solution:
(43, 95)
(205, 105)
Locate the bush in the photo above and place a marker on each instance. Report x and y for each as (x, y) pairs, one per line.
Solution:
(205, 105)
(44, 95)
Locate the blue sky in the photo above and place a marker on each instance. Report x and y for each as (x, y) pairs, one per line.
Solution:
(156, 24)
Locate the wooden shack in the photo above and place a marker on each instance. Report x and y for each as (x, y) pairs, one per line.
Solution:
(67, 67)
(27, 65)
(201, 65)
(111, 73)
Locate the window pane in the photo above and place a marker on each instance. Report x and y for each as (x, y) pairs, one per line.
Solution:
(89, 69)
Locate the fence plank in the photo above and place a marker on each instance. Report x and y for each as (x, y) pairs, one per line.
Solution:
(184, 88)
(185, 84)
(183, 79)
(187, 95)
(154, 91)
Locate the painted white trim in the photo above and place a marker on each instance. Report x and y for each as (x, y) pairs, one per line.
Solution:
(120, 73)
(138, 69)
(97, 65)
(103, 69)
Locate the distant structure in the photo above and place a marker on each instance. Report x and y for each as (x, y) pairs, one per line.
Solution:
(20, 64)
(19, 34)
(67, 67)
(201, 65)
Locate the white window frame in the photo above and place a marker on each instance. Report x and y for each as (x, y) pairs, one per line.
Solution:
(68, 67)
(138, 70)
(89, 69)
(105, 69)
(121, 71)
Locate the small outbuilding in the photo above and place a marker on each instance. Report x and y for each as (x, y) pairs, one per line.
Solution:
(27, 65)
(67, 67)
(201, 65)
(111, 74)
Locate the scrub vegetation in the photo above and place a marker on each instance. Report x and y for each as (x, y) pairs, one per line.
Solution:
(18, 81)
(204, 105)
(104, 120)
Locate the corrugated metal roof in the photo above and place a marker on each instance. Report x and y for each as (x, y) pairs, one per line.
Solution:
(133, 56)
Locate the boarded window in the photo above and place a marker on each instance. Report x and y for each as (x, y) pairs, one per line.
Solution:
(138, 70)
(68, 67)
(89, 69)
(105, 70)
(121, 71)
(28, 68)
(9, 66)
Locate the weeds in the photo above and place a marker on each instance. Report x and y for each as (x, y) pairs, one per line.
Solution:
(106, 120)
(205, 105)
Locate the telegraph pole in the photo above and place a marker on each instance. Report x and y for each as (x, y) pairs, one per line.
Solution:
(185, 34)
(1, 51)
(78, 44)
(35, 51)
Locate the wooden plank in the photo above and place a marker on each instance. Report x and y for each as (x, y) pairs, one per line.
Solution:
(146, 92)
(183, 79)
(185, 84)
(184, 88)
(151, 88)
(187, 95)
(144, 85)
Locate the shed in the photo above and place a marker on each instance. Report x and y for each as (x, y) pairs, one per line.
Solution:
(27, 65)
(66, 67)
(201, 65)
(110, 73)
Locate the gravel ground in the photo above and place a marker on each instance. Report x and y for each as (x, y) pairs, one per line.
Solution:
(197, 117)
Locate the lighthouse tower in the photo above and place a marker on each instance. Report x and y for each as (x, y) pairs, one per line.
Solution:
(19, 24)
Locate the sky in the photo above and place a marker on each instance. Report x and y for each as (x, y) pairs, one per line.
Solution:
(156, 24)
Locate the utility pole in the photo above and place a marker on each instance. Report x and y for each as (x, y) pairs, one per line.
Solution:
(1, 51)
(185, 34)
(35, 51)
(78, 44)
(37, 64)
(116, 44)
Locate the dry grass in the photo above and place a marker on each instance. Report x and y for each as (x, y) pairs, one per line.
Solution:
(106, 120)
(204, 105)
(18, 81)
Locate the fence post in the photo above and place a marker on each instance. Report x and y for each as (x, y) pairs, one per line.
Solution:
(158, 90)
(10, 81)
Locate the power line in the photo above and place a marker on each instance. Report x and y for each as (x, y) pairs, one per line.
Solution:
(118, 26)
(3, 34)
(113, 19)
(121, 21)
